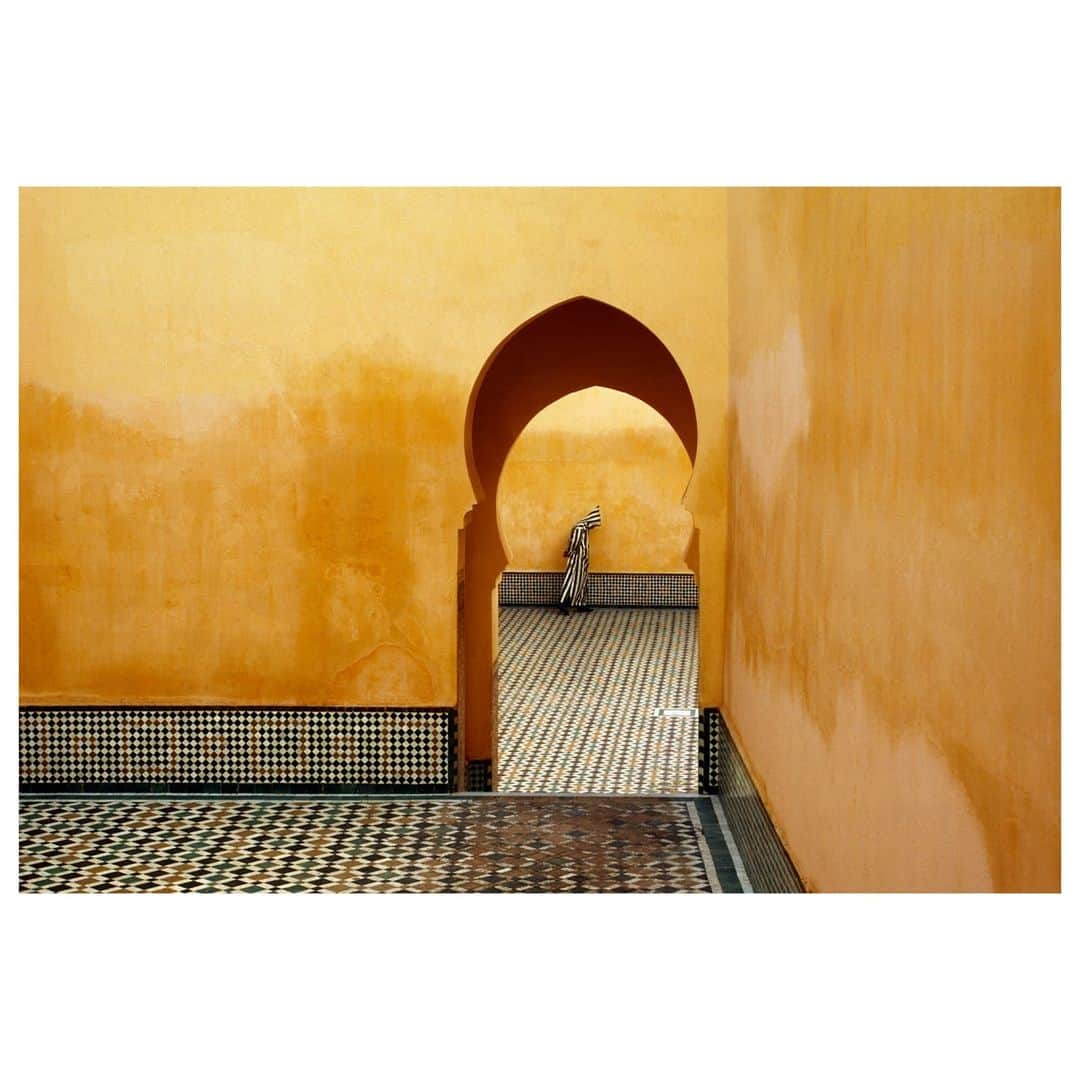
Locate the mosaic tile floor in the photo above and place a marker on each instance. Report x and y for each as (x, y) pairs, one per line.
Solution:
(381, 845)
(576, 700)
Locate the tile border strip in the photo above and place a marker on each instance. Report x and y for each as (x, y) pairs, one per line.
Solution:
(759, 855)
(736, 858)
(707, 859)
(215, 750)
(540, 588)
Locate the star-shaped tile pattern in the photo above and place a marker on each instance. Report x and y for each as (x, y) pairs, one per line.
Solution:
(419, 845)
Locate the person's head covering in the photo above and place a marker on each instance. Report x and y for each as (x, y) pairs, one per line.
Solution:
(591, 519)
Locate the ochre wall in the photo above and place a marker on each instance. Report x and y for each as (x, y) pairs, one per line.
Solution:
(243, 421)
(597, 446)
(892, 667)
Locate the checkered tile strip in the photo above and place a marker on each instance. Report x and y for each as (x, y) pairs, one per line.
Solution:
(401, 748)
(527, 588)
(478, 775)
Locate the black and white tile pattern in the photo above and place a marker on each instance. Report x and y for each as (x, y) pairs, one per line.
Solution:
(577, 701)
(399, 749)
(541, 588)
(478, 775)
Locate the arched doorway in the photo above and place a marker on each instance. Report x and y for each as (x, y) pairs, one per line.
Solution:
(602, 701)
(574, 345)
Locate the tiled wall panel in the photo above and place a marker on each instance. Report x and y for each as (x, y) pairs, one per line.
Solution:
(174, 747)
(524, 588)
(723, 774)
(478, 775)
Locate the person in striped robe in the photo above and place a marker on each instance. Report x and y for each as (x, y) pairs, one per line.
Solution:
(577, 565)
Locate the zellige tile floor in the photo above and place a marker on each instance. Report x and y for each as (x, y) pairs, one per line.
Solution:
(577, 694)
(373, 844)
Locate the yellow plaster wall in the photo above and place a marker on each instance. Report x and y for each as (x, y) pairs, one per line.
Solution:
(602, 447)
(893, 634)
(242, 419)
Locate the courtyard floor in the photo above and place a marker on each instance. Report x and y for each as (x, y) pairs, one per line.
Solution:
(578, 701)
(376, 845)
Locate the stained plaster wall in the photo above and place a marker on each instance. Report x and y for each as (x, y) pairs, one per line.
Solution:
(242, 467)
(893, 635)
(597, 446)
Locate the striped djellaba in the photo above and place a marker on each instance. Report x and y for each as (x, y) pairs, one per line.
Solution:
(577, 563)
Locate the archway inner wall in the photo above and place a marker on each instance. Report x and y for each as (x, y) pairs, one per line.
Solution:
(597, 446)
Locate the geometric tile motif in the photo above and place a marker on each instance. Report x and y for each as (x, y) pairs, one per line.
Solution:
(478, 775)
(709, 751)
(577, 696)
(85, 746)
(542, 588)
(384, 845)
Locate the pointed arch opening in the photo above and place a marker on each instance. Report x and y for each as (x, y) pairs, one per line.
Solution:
(572, 346)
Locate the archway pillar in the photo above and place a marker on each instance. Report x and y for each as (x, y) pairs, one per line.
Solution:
(484, 561)
(707, 502)
(711, 572)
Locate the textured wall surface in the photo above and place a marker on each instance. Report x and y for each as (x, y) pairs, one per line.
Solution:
(243, 471)
(597, 446)
(243, 418)
(892, 668)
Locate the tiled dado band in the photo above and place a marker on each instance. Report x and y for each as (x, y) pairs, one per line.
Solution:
(529, 588)
(723, 774)
(234, 750)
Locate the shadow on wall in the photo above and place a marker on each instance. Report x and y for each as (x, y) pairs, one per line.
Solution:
(286, 551)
